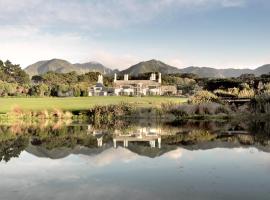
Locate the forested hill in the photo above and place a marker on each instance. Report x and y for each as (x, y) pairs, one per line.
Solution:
(63, 66)
(158, 66)
(150, 66)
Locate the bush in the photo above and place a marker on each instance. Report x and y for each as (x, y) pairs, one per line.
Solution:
(246, 93)
(18, 112)
(190, 110)
(260, 104)
(203, 97)
(109, 113)
(223, 93)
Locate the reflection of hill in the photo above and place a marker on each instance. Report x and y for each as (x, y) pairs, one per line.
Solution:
(222, 144)
(137, 149)
(63, 152)
(150, 152)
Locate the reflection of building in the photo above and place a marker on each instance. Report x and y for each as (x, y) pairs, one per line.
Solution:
(150, 135)
(138, 87)
(98, 134)
(99, 89)
(145, 134)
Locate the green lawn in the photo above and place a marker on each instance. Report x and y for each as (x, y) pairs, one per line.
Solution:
(80, 103)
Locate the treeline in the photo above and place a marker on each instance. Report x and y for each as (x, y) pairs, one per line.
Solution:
(16, 82)
(68, 84)
(245, 86)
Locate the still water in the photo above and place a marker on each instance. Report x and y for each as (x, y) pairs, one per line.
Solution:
(193, 160)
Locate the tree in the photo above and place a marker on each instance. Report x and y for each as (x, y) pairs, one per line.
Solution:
(39, 90)
(214, 84)
(13, 73)
(7, 89)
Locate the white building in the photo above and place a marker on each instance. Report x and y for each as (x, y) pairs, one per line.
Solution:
(137, 87)
(99, 89)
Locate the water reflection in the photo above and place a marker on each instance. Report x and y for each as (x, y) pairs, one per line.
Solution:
(135, 160)
(149, 138)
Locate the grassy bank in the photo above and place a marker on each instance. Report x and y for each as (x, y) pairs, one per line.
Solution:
(80, 103)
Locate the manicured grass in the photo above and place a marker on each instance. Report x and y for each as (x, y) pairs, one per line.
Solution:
(80, 103)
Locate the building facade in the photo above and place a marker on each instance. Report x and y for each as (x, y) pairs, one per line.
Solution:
(151, 87)
(137, 87)
(99, 89)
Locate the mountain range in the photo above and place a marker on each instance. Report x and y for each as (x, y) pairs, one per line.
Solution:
(63, 66)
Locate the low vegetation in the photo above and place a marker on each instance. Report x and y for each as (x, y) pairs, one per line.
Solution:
(110, 113)
(204, 97)
(260, 104)
(200, 110)
(19, 113)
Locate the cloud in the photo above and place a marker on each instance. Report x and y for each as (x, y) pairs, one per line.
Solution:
(93, 14)
(32, 30)
(233, 3)
(174, 62)
(175, 154)
(110, 156)
(27, 44)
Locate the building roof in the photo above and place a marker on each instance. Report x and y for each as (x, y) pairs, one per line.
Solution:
(136, 82)
(99, 85)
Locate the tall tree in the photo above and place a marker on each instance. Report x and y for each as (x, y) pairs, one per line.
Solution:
(13, 73)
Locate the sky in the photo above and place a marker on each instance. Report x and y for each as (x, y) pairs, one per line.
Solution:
(120, 33)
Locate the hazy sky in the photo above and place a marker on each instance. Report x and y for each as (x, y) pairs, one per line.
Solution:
(119, 33)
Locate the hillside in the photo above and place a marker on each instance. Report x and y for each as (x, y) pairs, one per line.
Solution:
(265, 69)
(217, 73)
(150, 66)
(63, 66)
(157, 66)
(92, 66)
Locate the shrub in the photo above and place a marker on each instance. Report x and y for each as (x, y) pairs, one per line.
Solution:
(189, 110)
(246, 93)
(179, 112)
(204, 97)
(43, 114)
(224, 93)
(57, 113)
(109, 113)
(221, 109)
(260, 104)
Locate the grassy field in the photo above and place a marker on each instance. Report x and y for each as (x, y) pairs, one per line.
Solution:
(80, 103)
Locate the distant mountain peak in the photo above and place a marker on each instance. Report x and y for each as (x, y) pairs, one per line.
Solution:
(63, 66)
(150, 66)
(153, 65)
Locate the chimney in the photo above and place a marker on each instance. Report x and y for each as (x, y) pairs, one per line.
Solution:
(153, 77)
(115, 77)
(159, 78)
(126, 77)
(100, 79)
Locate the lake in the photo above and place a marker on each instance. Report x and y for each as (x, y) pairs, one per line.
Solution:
(135, 160)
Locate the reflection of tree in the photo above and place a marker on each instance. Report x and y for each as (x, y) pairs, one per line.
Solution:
(12, 148)
(67, 136)
(260, 128)
(188, 138)
(68, 141)
(15, 138)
